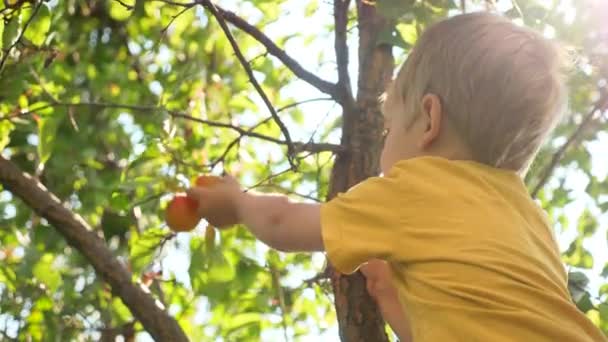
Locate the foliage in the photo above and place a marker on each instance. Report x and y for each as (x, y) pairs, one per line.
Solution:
(112, 105)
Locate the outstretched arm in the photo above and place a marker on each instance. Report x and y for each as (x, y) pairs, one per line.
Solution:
(282, 224)
(273, 219)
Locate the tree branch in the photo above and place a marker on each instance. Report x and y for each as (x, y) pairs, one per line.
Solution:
(575, 139)
(296, 146)
(222, 158)
(314, 80)
(293, 65)
(317, 147)
(341, 48)
(79, 235)
(323, 275)
(220, 19)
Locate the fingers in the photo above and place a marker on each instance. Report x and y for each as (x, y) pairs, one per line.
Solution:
(201, 195)
(365, 269)
(378, 279)
(197, 193)
(375, 269)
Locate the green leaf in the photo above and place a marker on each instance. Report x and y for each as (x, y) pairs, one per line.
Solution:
(241, 103)
(408, 33)
(119, 201)
(605, 271)
(603, 309)
(603, 290)
(587, 224)
(142, 248)
(392, 37)
(198, 264)
(8, 278)
(6, 127)
(23, 102)
(220, 269)
(41, 108)
(44, 303)
(577, 283)
(39, 26)
(1, 32)
(47, 129)
(11, 32)
(115, 224)
(121, 313)
(241, 321)
(311, 8)
(46, 273)
(120, 12)
(585, 304)
(394, 9)
(210, 234)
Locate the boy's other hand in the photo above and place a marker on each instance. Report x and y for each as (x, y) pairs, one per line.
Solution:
(219, 203)
(380, 287)
(378, 280)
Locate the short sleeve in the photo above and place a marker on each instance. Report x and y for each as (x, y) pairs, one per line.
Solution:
(360, 225)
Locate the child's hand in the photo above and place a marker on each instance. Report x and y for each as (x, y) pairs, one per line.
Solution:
(378, 280)
(219, 203)
(380, 286)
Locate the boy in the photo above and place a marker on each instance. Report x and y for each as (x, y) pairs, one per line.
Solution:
(471, 257)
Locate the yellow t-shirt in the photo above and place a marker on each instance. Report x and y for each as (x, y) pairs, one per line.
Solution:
(472, 255)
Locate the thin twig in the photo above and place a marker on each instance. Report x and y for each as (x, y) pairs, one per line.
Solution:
(296, 146)
(323, 275)
(173, 18)
(517, 8)
(313, 147)
(41, 84)
(147, 199)
(267, 179)
(303, 147)
(575, 139)
(163, 242)
(227, 125)
(237, 50)
(341, 48)
(139, 108)
(291, 192)
(295, 104)
(276, 279)
(125, 5)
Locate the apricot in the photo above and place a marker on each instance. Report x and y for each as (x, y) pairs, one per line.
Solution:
(206, 180)
(181, 213)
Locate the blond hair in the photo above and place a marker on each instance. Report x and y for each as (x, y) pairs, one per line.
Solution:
(501, 86)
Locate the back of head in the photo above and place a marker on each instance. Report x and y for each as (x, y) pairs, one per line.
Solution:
(501, 86)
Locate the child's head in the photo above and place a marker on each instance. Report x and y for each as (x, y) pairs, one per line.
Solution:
(478, 87)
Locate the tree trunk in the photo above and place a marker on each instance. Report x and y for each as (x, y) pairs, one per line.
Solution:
(358, 316)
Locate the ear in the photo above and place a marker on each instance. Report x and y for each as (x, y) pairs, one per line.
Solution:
(432, 114)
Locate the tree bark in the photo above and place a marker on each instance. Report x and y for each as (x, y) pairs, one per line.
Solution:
(79, 235)
(358, 317)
